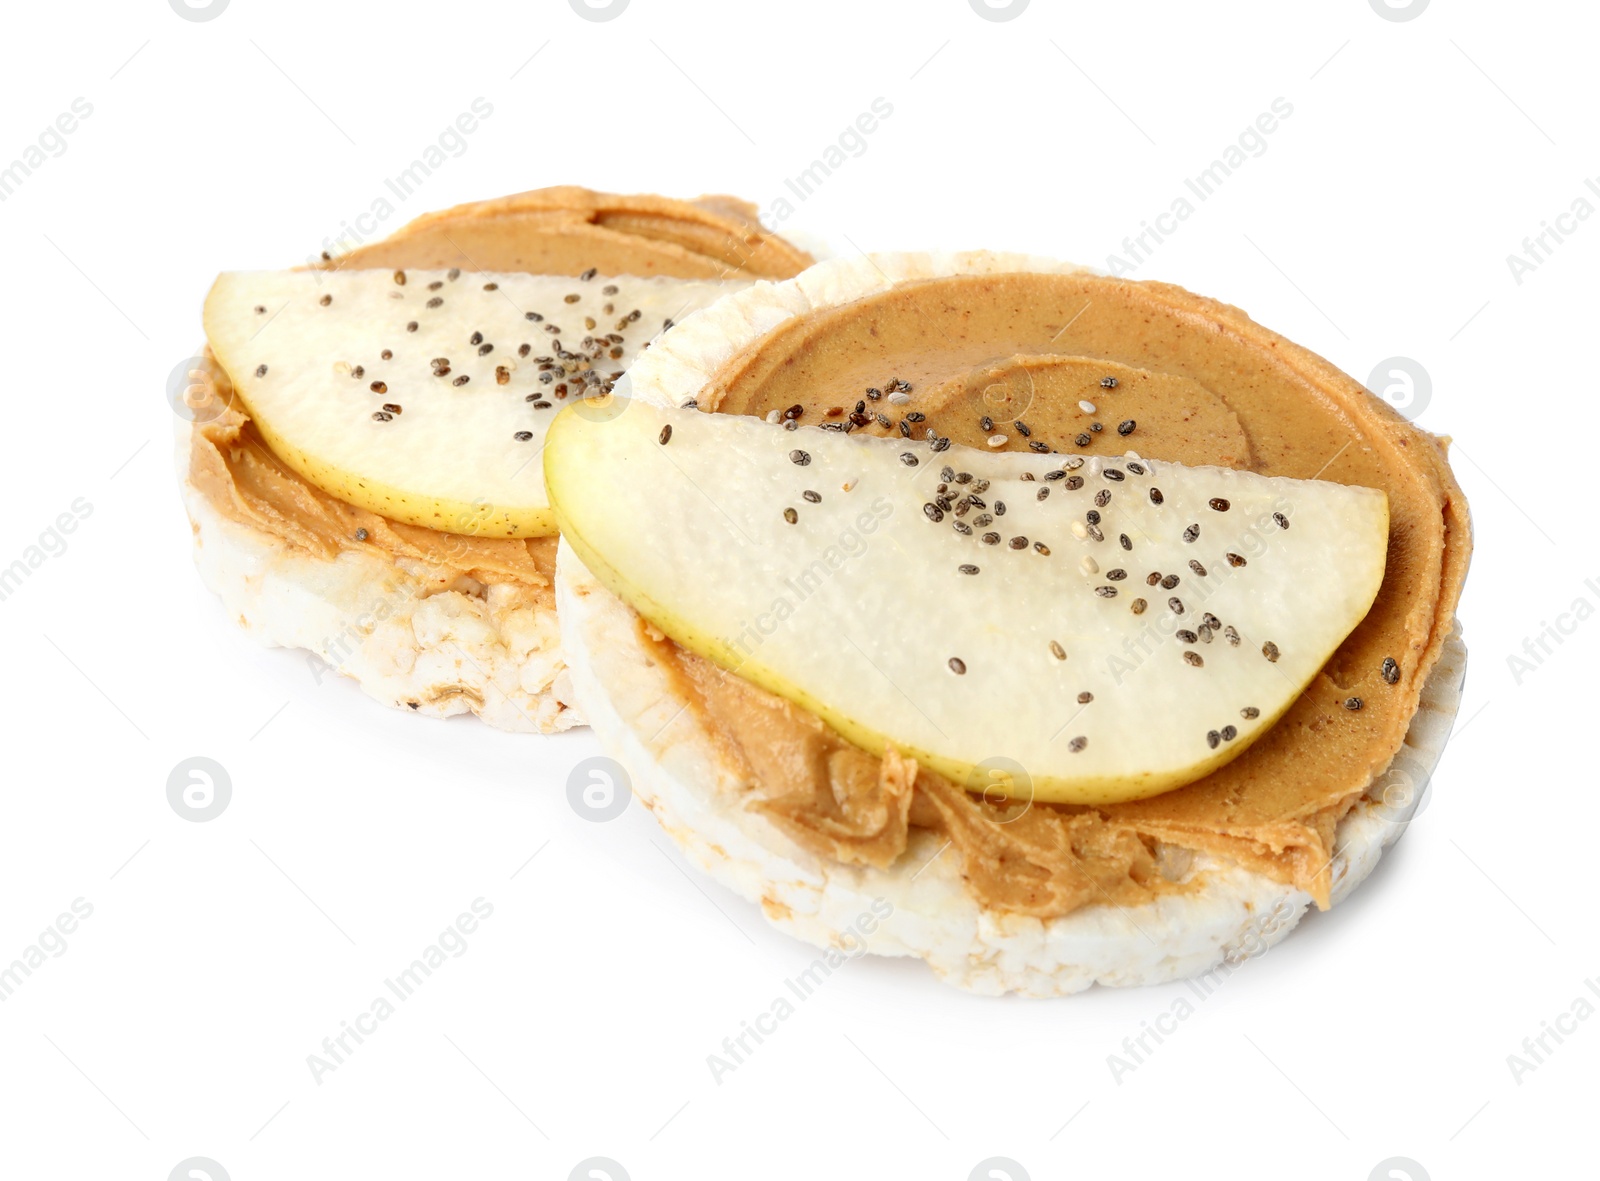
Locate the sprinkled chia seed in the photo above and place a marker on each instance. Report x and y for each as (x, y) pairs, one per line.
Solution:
(1283, 521)
(533, 317)
(361, 534)
(813, 497)
(1083, 440)
(665, 436)
(1153, 578)
(958, 666)
(1138, 606)
(1109, 383)
(1219, 504)
(1192, 532)
(1103, 497)
(1057, 650)
(381, 416)
(1235, 560)
(1155, 496)
(1126, 427)
(999, 508)
(1270, 651)
(1229, 733)
(1088, 565)
(905, 429)
(1092, 516)
(1391, 671)
(462, 380)
(941, 445)
(1018, 543)
(790, 515)
(967, 568)
(1094, 532)
(933, 512)
(379, 387)
(1106, 592)
(261, 370)
(796, 456)
(1122, 539)
(1136, 468)
(991, 539)
(1194, 659)
(412, 326)
(1074, 483)
(916, 416)
(1186, 636)
(325, 300)
(1077, 744)
(1249, 711)
(522, 436)
(1353, 703)
(392, 407)
(1213, 739)
(1043, 493)
(1197, 568)
(1170, 581)
(1231, 634)
(1085, 697)
(1022, 429)
(1117, 575)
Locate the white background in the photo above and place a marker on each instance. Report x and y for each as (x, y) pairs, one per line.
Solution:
(178, 1021)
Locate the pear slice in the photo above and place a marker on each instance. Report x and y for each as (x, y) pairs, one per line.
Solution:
(477, 363)
(1036, 626)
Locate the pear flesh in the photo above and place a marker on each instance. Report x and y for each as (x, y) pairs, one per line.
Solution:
(425, 395)
(1051, 627)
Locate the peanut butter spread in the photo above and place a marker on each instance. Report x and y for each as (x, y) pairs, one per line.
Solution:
(557, 231)
(566, 230)
(1081, 364)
